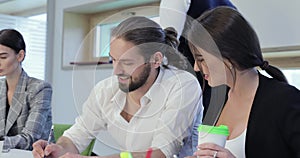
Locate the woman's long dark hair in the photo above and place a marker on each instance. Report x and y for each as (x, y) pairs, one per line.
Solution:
(224, 31)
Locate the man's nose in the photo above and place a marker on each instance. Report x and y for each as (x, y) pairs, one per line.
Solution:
(117, 68)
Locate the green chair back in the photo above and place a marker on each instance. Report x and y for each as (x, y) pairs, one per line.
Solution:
(59, 130)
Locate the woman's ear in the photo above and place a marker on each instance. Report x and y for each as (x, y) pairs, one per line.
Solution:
(21, 55)
(228, 64)
(158, 57)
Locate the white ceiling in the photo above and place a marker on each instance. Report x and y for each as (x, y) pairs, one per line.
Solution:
(109, 5)
(19, 7)
(31, 7)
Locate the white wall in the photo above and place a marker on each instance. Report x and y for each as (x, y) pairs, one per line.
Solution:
(63, 101)
(276, 22)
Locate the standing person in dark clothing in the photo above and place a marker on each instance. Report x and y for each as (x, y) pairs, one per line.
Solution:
(179, 14)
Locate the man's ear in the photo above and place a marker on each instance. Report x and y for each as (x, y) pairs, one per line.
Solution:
(21, 55)
(158, 57)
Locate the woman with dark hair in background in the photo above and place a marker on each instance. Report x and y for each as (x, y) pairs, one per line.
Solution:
(262, 113)
(25, 110)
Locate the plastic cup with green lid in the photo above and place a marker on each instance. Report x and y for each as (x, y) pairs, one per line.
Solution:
(213, 134)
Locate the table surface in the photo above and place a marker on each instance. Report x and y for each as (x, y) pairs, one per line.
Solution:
(17, 153)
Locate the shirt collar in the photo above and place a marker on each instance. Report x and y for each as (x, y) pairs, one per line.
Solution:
(154, 88)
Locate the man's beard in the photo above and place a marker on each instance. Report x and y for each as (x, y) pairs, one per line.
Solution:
(136, 82)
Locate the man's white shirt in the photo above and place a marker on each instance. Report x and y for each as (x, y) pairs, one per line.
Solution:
(165, 117)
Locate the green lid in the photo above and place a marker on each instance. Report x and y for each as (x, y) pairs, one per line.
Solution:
(222, 129)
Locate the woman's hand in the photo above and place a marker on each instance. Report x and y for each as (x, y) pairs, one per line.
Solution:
(212, 150)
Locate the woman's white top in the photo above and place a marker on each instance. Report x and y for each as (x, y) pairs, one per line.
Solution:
(237, 145)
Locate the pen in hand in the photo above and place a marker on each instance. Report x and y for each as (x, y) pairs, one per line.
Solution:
(50, 136)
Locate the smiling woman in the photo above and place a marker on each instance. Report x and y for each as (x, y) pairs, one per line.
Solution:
(253, 100)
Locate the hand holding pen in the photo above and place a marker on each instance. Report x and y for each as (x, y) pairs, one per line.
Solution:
(43, 148)
(50, 137)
